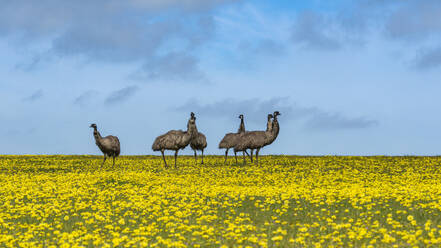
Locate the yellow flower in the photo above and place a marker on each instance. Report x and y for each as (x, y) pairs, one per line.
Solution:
(277, 238)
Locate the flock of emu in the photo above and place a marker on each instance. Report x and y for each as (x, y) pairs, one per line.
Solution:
(178, 139)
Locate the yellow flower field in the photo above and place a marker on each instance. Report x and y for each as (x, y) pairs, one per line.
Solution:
(286, 201)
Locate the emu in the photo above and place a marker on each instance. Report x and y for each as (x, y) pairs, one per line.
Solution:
(198, 143)
(269, 127)
(258, 139)
(176, 139)
(109, 145)
(242, 143)
(230, 139)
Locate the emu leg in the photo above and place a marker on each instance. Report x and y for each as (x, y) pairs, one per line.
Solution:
(257, 156)
(251, 155)
(176, 156)
(247, 153)
(104, 160)
(226, 154)
(244, 162)
(163, 157)
(195, 157)
(235, 155)
(113, 161)
(202, 156)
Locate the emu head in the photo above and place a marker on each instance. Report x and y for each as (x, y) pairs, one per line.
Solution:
(276, 113)
(192, 116)
(241, 117)
(93, 125)
(270, 116)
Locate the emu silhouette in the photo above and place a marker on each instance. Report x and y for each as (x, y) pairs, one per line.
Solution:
(231, 139)
(198, 143)
(258, 139)
(109, 145)
(176, 139)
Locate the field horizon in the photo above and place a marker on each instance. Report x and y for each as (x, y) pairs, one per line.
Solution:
(220, 156)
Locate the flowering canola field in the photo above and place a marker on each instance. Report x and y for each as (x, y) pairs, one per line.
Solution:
(286, 201)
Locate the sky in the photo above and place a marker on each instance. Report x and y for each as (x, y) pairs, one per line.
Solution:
(349, 77)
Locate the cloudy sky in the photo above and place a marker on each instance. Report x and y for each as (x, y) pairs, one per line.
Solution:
(349, 77)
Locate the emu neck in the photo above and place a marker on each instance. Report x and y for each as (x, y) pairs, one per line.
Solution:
(192, 130)
(96, 134)
(269, 125)
(189, 134)
(241, 127)
(276, 126)
(273, 132)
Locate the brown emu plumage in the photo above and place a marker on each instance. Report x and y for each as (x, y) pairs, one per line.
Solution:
(109, 145)
(231, 139)
(175, 139)
(258, 139)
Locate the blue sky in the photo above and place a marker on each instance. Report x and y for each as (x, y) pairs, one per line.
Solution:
(349, 77)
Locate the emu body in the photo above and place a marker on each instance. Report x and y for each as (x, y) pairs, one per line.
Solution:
(258, 139)
(231, 139)
(175, 139)
(109, 145)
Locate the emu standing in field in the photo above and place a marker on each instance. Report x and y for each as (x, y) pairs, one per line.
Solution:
(109, 145)
(245, 138)
(258, 139)
(230, 139)
(199, 142)
(176, 139)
